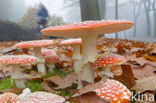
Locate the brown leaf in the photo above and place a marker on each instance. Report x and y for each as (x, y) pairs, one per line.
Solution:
(145, 84)
(90, 97)
(8, 50)
(144, 72)
(63, 82)
(34, 76)
(90, 88)
(151, 58)
(141, 61)
(127, 76)
(14, 90)
(47, 88)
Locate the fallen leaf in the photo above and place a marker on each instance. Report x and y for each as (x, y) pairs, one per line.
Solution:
(89, 88)
(148, 83)
(144, 72)
(63, 82)
(151, 58)
(90, 97)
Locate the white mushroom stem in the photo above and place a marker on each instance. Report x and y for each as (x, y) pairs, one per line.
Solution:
(89, 53)
(40, 65)
(50, 67)
(25, 93)
(86, 75)
(76, 55)
(18, 77)
(76, 51)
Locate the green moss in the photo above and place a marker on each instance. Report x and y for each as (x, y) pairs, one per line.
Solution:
(6, 83)
(65, 93)
(99, 69)
(34, 86)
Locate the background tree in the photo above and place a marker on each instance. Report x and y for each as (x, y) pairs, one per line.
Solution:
(29, 19)
(90, 10)
(55, 20)
(116, 14)
(154, 15)
(137, 11)
(147, 7)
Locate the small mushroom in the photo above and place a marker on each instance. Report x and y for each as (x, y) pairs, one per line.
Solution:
(16, 60)
(88, 32)
(37, 45)
(76, 44)
(42, 97)
(114, 92)
(107, 60)
(51, 58)
(8, 98)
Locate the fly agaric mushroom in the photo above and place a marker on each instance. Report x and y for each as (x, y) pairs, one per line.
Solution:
(51, 58)
(76, 44)
(46, 52)
(88, 32)
(106, 60)
(114, 92)
(37, 45)
(8, 98)
(42, 97)
(16, 60)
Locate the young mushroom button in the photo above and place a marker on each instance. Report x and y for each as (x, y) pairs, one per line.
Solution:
(114, 92)
(16, 60)
(37, 45)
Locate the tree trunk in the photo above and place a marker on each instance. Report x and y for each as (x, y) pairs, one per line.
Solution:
(116, 15)
(147, 11)
(90, 10)
(102, 6)
(154, 16)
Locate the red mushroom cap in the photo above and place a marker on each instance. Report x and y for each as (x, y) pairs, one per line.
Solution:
(71, 41)
(17, 59)
(114, 91)
(50, 56)
(52, 59)
(47, 52)
(42, 97)
(108, 59)
(8, 98)
(88, 28)
(35, 43)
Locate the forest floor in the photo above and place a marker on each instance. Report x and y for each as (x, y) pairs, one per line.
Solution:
(141, 57)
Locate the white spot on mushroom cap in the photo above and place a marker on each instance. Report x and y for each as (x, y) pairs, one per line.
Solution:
(114, 90)
(17, 59)
(108, 59)
(8, 98)
(35, 43)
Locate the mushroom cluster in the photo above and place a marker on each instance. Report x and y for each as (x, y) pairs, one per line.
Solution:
(85, 58)
(37, 45)
(88, 32)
